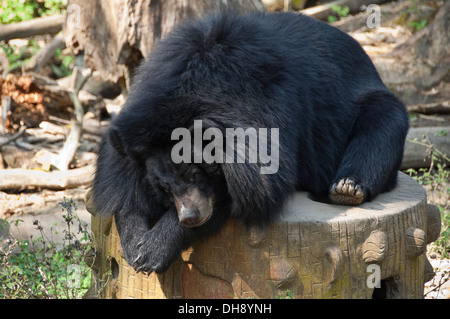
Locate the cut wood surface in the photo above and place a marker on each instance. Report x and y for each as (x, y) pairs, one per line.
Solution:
(315, 250)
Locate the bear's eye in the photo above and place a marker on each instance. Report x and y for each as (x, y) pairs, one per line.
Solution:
(194, 176)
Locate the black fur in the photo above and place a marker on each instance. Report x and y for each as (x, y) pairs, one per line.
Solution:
(336, 120)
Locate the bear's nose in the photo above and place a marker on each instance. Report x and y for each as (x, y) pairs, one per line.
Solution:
(188, 216)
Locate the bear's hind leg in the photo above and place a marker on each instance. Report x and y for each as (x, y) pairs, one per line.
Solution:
(374, 152)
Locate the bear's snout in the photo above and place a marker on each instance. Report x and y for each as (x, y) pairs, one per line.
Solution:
(188, 216)
(194, 208)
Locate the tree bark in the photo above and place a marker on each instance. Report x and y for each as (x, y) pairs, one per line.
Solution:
(315, 250)
(430, 43)
(420, 63)
(115, 35)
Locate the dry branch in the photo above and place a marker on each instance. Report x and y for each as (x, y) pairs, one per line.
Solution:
(71, 145)
(323, 11)
(20, 178)
(431, 108)
(4, 64)
(44, 55)
(44, 25)
(14, 137)
(67, 153)
(6, 106)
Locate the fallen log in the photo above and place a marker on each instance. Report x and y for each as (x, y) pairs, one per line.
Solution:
(431, 108)
(417, 153)
(323, 11)
(44, 25)
(20, 178)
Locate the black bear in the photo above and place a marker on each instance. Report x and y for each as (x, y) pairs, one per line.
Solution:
(334, 130)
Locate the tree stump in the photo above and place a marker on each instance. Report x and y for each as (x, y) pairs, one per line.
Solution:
(315, 250)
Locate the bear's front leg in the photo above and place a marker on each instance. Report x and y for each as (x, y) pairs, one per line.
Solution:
(160, 246)
(131, 226)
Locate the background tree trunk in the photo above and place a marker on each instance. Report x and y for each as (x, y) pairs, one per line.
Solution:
(420, 63)
(115, 35)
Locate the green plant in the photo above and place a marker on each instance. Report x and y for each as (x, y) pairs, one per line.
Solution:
(53, 7)
(437, 175)
(413, 7)
(340, 12)
(20, 10)
(41, 268)
(442, 244)
(63, 66)
(18, 56)
(287, 294)
(418, 25)
(16, 11)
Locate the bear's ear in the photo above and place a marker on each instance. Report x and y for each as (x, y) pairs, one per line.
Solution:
(256, 198)
(116, 140)
(124, 147)
(249, 190)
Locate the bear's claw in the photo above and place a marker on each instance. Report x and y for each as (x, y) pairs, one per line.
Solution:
(347, 192)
